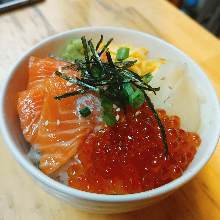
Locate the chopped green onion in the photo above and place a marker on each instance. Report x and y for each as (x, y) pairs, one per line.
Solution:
(85, 111)
(109, 119)
(107, 104)
(122, 53)
(147, 78)
(128, 89)
(137, 98)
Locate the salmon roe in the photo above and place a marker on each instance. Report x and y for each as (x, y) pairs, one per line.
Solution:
(129, 157)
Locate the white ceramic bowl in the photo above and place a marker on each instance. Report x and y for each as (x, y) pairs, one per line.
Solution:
(16, 81)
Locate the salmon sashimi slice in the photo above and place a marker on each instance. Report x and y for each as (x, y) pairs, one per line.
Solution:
(30, 103)
(62, 128)
(41, 68)
(53, 127)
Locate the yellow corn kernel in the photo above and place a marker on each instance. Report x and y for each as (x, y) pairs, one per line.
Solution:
(151, 66)
(144, 66)
(136, 55)
(135, 69)
(141, 53)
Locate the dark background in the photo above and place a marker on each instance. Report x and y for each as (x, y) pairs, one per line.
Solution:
(206, 12)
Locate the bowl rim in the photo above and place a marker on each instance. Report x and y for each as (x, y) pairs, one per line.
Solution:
(59, 187)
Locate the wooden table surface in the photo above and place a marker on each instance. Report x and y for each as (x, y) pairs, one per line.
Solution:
(20, 197)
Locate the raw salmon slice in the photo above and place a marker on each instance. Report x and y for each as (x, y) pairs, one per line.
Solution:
(54, 127)
(62, 129)
(41, 68)
(29, 108)
(30, 101)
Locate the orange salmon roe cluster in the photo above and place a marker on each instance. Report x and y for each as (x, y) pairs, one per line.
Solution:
(129, 157)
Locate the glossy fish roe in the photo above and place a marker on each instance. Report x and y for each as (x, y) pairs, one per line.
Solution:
(129, 157)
